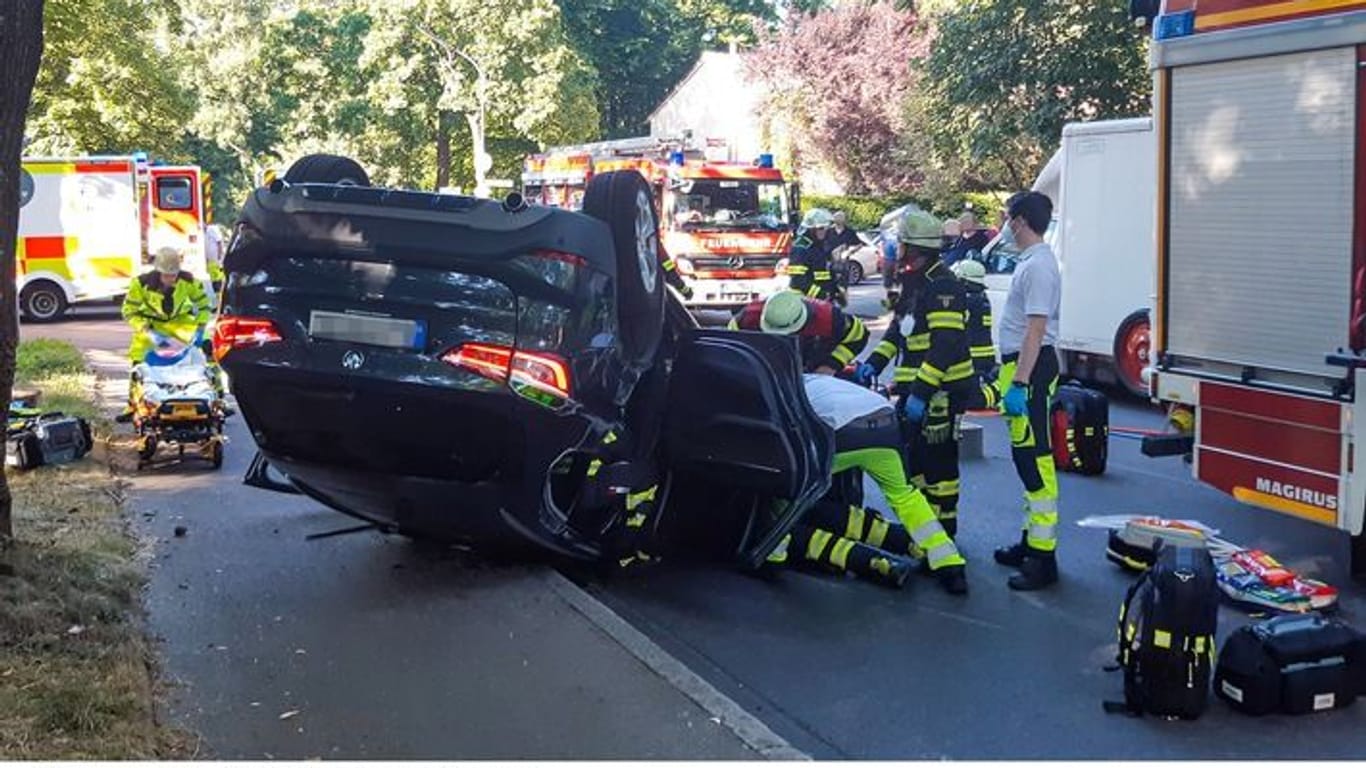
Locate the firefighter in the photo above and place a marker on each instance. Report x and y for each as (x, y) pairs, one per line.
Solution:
(868, 438)
(974, 278)
(830, 338)
(671, 275)
(809, 264)
(162, 304)
(1029, 378)
(934, 379)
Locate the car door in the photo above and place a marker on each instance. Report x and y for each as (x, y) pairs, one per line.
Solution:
(744, 454)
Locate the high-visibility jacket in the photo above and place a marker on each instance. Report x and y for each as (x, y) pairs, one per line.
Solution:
(808, 268)
(148, 307)
(935, 357)
(829, 338)
(980, 346)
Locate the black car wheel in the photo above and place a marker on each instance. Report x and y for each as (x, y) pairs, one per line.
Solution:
(855, 272)
(327, 169)
(623, 200)
(42, 301)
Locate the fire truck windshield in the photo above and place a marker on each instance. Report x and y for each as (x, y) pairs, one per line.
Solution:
(697, 204)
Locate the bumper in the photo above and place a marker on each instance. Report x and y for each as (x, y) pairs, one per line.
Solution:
(732, 293)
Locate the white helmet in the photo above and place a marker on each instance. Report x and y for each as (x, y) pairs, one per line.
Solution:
(970, 271)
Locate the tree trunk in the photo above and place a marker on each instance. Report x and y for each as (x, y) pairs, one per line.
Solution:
(21, 50)
(443, 149)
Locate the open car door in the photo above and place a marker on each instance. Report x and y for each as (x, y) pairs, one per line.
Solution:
(744, 453)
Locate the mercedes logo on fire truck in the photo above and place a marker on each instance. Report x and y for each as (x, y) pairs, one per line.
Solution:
(736, 262)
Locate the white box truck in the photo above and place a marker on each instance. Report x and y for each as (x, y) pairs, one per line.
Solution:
(1102, 181)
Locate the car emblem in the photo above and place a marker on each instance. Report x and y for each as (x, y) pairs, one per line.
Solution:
(736, 262)
(353, 360)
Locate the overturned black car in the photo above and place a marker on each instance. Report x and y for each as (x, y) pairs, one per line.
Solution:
(501, 374)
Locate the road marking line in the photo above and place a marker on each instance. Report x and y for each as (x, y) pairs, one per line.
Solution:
(750, 729)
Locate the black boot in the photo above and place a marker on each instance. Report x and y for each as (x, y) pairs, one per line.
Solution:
(1012, 555)
(1038, 570)
(124, 417)
(950, 526)
(953, 579)
(891, 571)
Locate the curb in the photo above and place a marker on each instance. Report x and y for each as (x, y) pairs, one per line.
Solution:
(748, 728)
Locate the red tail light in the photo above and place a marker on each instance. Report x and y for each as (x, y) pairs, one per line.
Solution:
(238, 332)
(537, 371)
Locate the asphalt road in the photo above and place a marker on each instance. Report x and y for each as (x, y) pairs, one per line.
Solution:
(389, 651)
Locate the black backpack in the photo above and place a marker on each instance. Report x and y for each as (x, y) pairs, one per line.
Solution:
(1292, 665)
(1167, 628)
(1080, 429)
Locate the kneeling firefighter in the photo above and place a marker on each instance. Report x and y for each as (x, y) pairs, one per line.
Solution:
(868, 438)
(163, 304)
(935, 378)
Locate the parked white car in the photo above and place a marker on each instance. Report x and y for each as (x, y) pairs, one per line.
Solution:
(863, 259)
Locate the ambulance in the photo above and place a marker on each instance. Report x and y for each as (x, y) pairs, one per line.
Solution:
(1259, 321)
(88, 225)
(727, 225)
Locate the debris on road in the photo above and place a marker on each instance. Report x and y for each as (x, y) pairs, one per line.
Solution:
(180, 531)
(290, 714)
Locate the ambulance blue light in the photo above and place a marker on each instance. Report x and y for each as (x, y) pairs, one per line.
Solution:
(140, 156)
(1170, 25)
(675, 158)
(765, 161)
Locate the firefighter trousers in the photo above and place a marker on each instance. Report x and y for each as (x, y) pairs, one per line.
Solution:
(1032, 452)
(862, 525)
(933, 460)
(874, 447)
(814, 545)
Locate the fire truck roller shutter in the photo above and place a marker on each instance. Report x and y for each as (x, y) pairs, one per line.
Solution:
(1260, 194)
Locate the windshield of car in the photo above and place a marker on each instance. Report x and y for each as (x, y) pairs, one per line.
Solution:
(697, 204)
(1002, 255)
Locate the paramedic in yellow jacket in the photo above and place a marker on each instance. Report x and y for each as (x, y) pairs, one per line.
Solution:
(163, 304)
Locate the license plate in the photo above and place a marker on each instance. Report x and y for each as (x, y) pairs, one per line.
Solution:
(377, 331)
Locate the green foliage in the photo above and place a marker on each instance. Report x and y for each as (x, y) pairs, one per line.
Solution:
(41, 358)
(863, 212)
(105, 85)
(1004, 76)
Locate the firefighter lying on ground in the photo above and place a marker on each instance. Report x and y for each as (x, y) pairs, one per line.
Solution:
(830, 339)
(162, 304)
(935, 378)
(868, 438)
(809, 264)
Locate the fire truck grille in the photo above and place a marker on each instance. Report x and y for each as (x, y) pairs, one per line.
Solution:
(748, 261)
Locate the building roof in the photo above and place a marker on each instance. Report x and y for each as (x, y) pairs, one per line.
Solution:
(707, 59)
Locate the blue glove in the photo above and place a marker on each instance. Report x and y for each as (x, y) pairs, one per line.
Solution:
(198, 337)
(865, 374)
(161, 340)
(1016, 401)
(914, 410)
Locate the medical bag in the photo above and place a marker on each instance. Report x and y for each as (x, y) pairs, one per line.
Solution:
(1134, 546)
(1080, 420)
(49, 438)
(1167, 627)
(1292, 665)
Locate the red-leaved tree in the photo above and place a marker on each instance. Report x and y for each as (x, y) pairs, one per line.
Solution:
(842, 77)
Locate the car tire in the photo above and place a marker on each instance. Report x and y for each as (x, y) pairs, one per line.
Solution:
(42, 301)
(1132, 345)
(855, 272)
(327, 169)
(624, 201)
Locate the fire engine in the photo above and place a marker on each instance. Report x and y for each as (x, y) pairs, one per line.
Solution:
(727, 226)
(1260, 313)
(87, 225)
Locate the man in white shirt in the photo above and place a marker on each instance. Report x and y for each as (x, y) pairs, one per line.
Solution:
(1028, 379)
(868, 437)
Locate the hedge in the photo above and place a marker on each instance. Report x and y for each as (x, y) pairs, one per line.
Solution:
(867, 212)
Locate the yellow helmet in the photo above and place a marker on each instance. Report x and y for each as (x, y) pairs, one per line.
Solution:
(919, 228)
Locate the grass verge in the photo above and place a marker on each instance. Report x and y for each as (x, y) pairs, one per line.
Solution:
(77, 671)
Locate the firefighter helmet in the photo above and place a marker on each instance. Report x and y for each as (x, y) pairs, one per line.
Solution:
(970, 271)
(920, 229)
(784, 313)
(817, 218)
